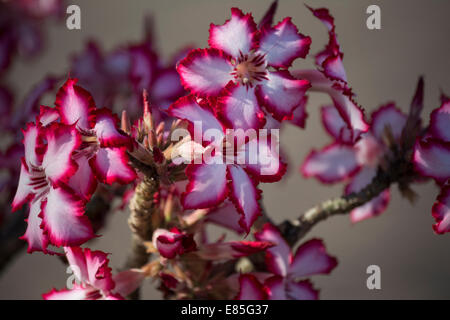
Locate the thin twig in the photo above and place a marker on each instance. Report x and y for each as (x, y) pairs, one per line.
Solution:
(399, 171)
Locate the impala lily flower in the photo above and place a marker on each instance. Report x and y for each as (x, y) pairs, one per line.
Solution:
(432, 159)
(359, 163)
(56, 212)
(96, 282)
(103, 152)
(225, 172)
(310, 259)
(432, 152)
(246, 69)
(441, 211)
(332, 80)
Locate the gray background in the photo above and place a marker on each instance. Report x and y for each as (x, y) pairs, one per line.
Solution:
(381, 66)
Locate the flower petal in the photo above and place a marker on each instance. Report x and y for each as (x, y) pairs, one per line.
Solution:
(239, 108)
(187, 108)
(205, 72)
(235, 36)
(262, 159)
(24, 191)
(76, 293)
(62, 140)
(231, 250)
(299, 114)
(33, 145)
(207, 186)
(301, 290)
(98, 270)
(63, 220)
(311, 258)
(351, 113)
(281, 93)
(332, 121)
(245, 195)
(226, 216)
(128, 281)
(388, 116)
(441, 212)
(111, 165)
(333, 163)
(143, 67)
(75, 105)
(34, 235)
(83, 182)
(276, 288)
(330, 58)
(250, 288)
(432, 159)
(279, 256)
(282, 44)
(77, 262)
(439, 120)
(372, 208)
(47, 115)
(105, 128)
(167, 85)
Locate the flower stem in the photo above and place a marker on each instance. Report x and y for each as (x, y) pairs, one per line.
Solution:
(141, 209)
(400, 171)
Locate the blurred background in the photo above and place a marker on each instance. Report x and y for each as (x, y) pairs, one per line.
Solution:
(382, 65)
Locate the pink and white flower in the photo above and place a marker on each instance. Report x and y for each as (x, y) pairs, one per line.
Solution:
(232, 165)
(246, 69)
(93, 278)
(431, 159)
(288, 270)
(432, 151)
(103, 152)
(66, 152)
(56, 212)
(357, 164)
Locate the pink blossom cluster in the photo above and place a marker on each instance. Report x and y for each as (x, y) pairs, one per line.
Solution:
(243, 81)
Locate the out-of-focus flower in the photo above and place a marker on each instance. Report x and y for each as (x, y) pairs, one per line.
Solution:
(432, 160)
(358, 164)
(20, 27)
